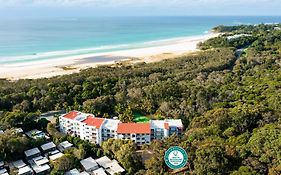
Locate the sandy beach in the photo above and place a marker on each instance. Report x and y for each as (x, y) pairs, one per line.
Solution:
(156, 52)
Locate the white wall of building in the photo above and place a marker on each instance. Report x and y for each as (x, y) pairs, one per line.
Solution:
(108, 129)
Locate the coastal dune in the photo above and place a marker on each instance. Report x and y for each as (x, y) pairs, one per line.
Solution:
(72, 64)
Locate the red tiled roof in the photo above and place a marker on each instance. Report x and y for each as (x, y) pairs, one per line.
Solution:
(71, 115)
(133, 128)
(93, 121)
(166, 125)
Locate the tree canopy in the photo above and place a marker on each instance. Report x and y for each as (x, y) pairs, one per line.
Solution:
(228, 96)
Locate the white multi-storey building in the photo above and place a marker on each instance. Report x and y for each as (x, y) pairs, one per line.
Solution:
(96, 130)
(138, 132)
(109, 129)
(85, 126)
(165, 128)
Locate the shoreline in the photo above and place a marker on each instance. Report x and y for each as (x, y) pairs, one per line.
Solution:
(164, 49)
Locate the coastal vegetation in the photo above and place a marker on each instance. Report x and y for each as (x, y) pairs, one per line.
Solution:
(228, 96)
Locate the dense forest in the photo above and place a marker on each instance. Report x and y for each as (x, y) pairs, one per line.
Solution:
(228, 96)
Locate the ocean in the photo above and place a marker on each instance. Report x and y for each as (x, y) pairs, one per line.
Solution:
(28, 40)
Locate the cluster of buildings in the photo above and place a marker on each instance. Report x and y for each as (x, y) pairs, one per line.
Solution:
(100, 166)
(96, 130)
(37, 160)
(237, 36)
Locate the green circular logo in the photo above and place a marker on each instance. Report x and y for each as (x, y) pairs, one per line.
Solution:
(175, 157)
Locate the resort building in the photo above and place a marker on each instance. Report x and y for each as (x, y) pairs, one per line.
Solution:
(96, 130)
(159, 129)
(85, 126)
(109, 129)
(138, 132)
(174, 126)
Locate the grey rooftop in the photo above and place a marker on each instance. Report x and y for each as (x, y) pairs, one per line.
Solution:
(48, 146)
(31, 152)
(89, 163)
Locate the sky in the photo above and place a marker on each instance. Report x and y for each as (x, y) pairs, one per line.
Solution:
(73, 8)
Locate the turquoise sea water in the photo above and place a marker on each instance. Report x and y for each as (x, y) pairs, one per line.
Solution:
(37, 39)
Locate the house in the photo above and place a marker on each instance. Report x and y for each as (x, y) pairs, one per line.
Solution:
(42, 169)
(48, 147)
(110, 166)
(72, 172)
(64, 146)
(19, 130)
(26, 170)
(40, 160)
(55, 155)
(36, 134)
(138, 132)
(237, 36)
(99, 171)
(103, 162)
(3, 171)
(114, 168)
(1, 164)
(32, 153)
(17, 164)
(21, 167)
(76, 172)
(89, 164)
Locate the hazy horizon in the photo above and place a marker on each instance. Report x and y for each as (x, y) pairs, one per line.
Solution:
(91, 8)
